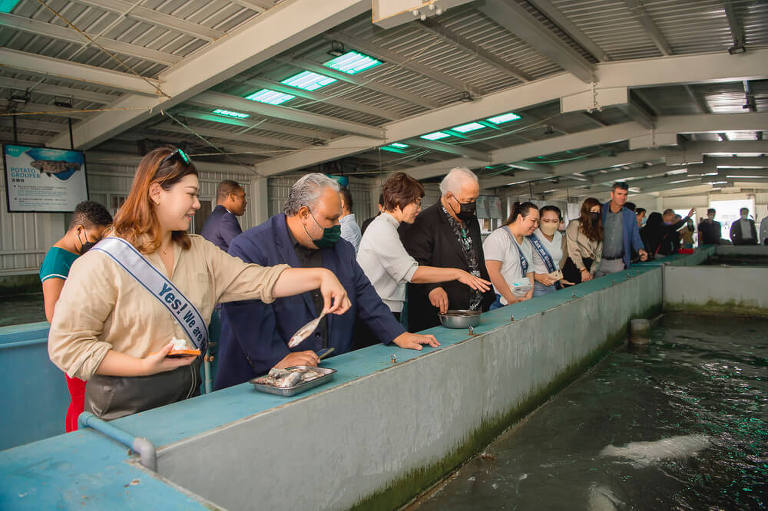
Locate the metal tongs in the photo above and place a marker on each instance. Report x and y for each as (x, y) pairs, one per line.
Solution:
(305, 331)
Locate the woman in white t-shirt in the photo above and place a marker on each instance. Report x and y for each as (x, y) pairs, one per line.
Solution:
(547, 244)
(509, 255)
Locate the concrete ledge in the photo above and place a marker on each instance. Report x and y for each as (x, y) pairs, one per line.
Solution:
(734, 289)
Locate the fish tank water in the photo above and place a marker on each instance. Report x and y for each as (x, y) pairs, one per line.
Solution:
(679, 424)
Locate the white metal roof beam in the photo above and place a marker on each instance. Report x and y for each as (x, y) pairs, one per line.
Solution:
(355, 106)
(266, 36)
(228, 135)
(56, 90)
(392, 57)
(378, 87)
(637, 73)
(638, 113)
(605, 162)
(67, 34)
(553, 13)
(38, 64)
(255, 5)
(219, 100)
(517, 20)
(262, 125)
(461, 150)
(650, 27)
(597, 136)
(478, 51)
(735, 23)
(757, 162)
(135, 11)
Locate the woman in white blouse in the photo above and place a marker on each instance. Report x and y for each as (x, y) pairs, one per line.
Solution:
(547, 244)
(509, 255)
(383, 257)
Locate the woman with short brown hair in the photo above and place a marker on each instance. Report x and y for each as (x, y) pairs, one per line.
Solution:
(383, 257)
(115, 330)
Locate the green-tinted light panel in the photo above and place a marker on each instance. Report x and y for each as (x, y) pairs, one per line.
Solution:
(466, 128)
(352, 63)
(8, 5)
(399, 145)
(230, 113)
(308, 80)
(501, 119)
(437, 135)
(270, 97)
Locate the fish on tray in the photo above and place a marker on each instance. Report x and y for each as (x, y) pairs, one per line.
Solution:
(286, 378)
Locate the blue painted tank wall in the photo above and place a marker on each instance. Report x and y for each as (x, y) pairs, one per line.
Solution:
(35, 397)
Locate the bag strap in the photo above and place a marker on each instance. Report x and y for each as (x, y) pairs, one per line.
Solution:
(158, 285)
(523, 260)
(543, 252)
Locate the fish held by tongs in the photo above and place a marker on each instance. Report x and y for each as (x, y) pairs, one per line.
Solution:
(305, 331)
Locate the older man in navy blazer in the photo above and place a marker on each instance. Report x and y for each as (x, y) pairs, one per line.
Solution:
(621, 234)
(254, 335)
(222, 226)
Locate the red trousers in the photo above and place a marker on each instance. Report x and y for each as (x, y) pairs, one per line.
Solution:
(76, 388)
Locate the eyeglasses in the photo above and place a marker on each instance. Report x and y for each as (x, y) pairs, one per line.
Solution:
(181, 154)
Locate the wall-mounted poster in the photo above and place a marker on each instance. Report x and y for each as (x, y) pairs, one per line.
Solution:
(40, 179)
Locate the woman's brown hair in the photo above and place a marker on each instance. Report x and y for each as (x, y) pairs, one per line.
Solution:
(592, 230)
(136, 220)
(400, 190)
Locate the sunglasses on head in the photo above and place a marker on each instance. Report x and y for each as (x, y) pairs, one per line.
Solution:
(181, 154)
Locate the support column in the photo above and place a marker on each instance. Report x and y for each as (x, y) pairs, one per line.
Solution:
(258, 200)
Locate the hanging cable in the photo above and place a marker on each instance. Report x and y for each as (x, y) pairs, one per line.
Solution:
(109, 53)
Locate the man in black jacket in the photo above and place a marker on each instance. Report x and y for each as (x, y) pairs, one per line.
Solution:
(743, 230)
(447, 235)
(709, 229)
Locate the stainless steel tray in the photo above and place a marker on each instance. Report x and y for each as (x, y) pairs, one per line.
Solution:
(296, 389)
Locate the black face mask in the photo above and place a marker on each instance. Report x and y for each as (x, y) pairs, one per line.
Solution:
(85, 247)
(594, 216)
(466, 211)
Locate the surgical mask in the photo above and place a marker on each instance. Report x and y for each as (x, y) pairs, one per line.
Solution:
(594, 216)
(330, 235)
(85, 247)
(548, 228)
(466, 211)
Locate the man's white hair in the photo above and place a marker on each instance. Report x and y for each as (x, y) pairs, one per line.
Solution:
(306, 191)
(455, 178)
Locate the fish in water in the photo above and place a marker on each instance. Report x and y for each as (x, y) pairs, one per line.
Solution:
(645, 453)
(603, 499)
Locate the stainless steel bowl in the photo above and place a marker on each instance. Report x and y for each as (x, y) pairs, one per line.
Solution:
(460, 319)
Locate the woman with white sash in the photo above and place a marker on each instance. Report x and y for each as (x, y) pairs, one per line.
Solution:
(509, 255)
(547, 244)
(149, 286)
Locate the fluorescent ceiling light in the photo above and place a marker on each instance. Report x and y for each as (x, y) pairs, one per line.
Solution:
(399, 145)
(437, 135)
(270, 97)
(230, 113)
(8, 5)
(352, 62)
(466, 128)
(308, 80)
(501, 119)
